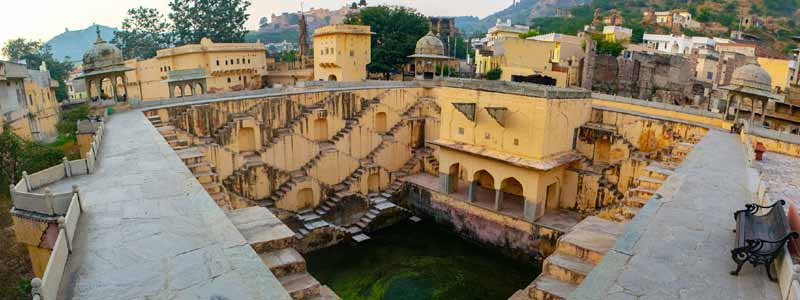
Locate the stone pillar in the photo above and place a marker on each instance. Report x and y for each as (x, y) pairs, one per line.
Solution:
(471, 191)
(764, 111)
(194, 91)
(100, 89)
(183, 92)
(444, 182)
(125, 86)
(530, 210)
(752, 111)
(498, 200)
(171, 90)
(114, 88)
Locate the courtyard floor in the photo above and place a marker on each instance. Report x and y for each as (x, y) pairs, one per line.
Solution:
(781, 173)
(678, 247)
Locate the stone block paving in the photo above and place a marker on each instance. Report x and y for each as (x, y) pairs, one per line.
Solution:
(150, 231)
(678, 246)
(781, 173)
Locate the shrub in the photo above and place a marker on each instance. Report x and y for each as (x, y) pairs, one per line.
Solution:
(494, 74)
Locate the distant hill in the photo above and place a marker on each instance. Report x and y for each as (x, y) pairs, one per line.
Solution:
(73, 43)
(521, 13)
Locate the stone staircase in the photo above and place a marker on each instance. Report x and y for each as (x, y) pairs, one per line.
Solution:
(647, 185)
(204, 171)
(379, 205)
(273, 241)
(195, 160)
(289, 267)
(576, 255)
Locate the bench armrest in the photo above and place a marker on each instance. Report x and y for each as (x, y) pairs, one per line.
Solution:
(753, 208)
(755, 245)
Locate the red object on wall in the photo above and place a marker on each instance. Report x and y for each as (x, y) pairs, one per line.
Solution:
(760, 149)
(794, 225)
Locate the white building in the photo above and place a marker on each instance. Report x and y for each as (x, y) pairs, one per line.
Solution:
(679, 44)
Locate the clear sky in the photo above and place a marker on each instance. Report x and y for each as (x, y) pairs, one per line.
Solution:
(43, 19)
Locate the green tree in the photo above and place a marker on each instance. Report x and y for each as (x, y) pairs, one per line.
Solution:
(532, 32)
(144, 31)
(17, 155)
(287, 56)
(68, 124)
(20, 48)
(494, 74)
(220, 20)
(34, 53)
(397, 30)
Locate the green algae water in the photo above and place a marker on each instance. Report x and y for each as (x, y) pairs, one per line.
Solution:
(418, 262)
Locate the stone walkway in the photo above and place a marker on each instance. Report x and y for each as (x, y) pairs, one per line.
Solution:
(782, 176)
(678, 247)
(150, 231)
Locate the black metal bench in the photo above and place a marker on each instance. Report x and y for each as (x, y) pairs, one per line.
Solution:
(760, 237)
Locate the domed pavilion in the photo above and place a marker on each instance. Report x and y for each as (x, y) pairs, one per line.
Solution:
(104, 71)
(429, 58)
(749, 92)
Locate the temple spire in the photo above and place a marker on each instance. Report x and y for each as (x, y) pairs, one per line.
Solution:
(97, 30)
(303, 28)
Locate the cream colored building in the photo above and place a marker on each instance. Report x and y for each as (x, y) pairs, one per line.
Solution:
(525, 60)
(198, 69)
(43, 106)
(571, 45)
(617, 34)
(505, 29)
(744, 49)
(779, 70)
(28, 104)
(508, 152)
(342, 52)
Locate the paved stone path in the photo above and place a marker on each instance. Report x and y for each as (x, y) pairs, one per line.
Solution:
(150, 231)
(782, 176)
(678, 247)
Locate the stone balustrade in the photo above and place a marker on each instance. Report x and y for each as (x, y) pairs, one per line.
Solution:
(47, 287)
(35, 202)
(659, 105)
(24, 194)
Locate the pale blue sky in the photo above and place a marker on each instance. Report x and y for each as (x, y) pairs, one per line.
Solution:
(43, 19)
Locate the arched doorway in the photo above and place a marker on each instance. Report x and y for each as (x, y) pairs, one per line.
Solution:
(332, 77)
(90, 89)
(321, 129)
(380, 122)
(188, 90)
(451, 183)
(120, 87)
(305, 198)
(106, 86)
(177, 91)
(247, 139)
(199, 89)
(374, 183)
(483, 186)
(511, 199)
